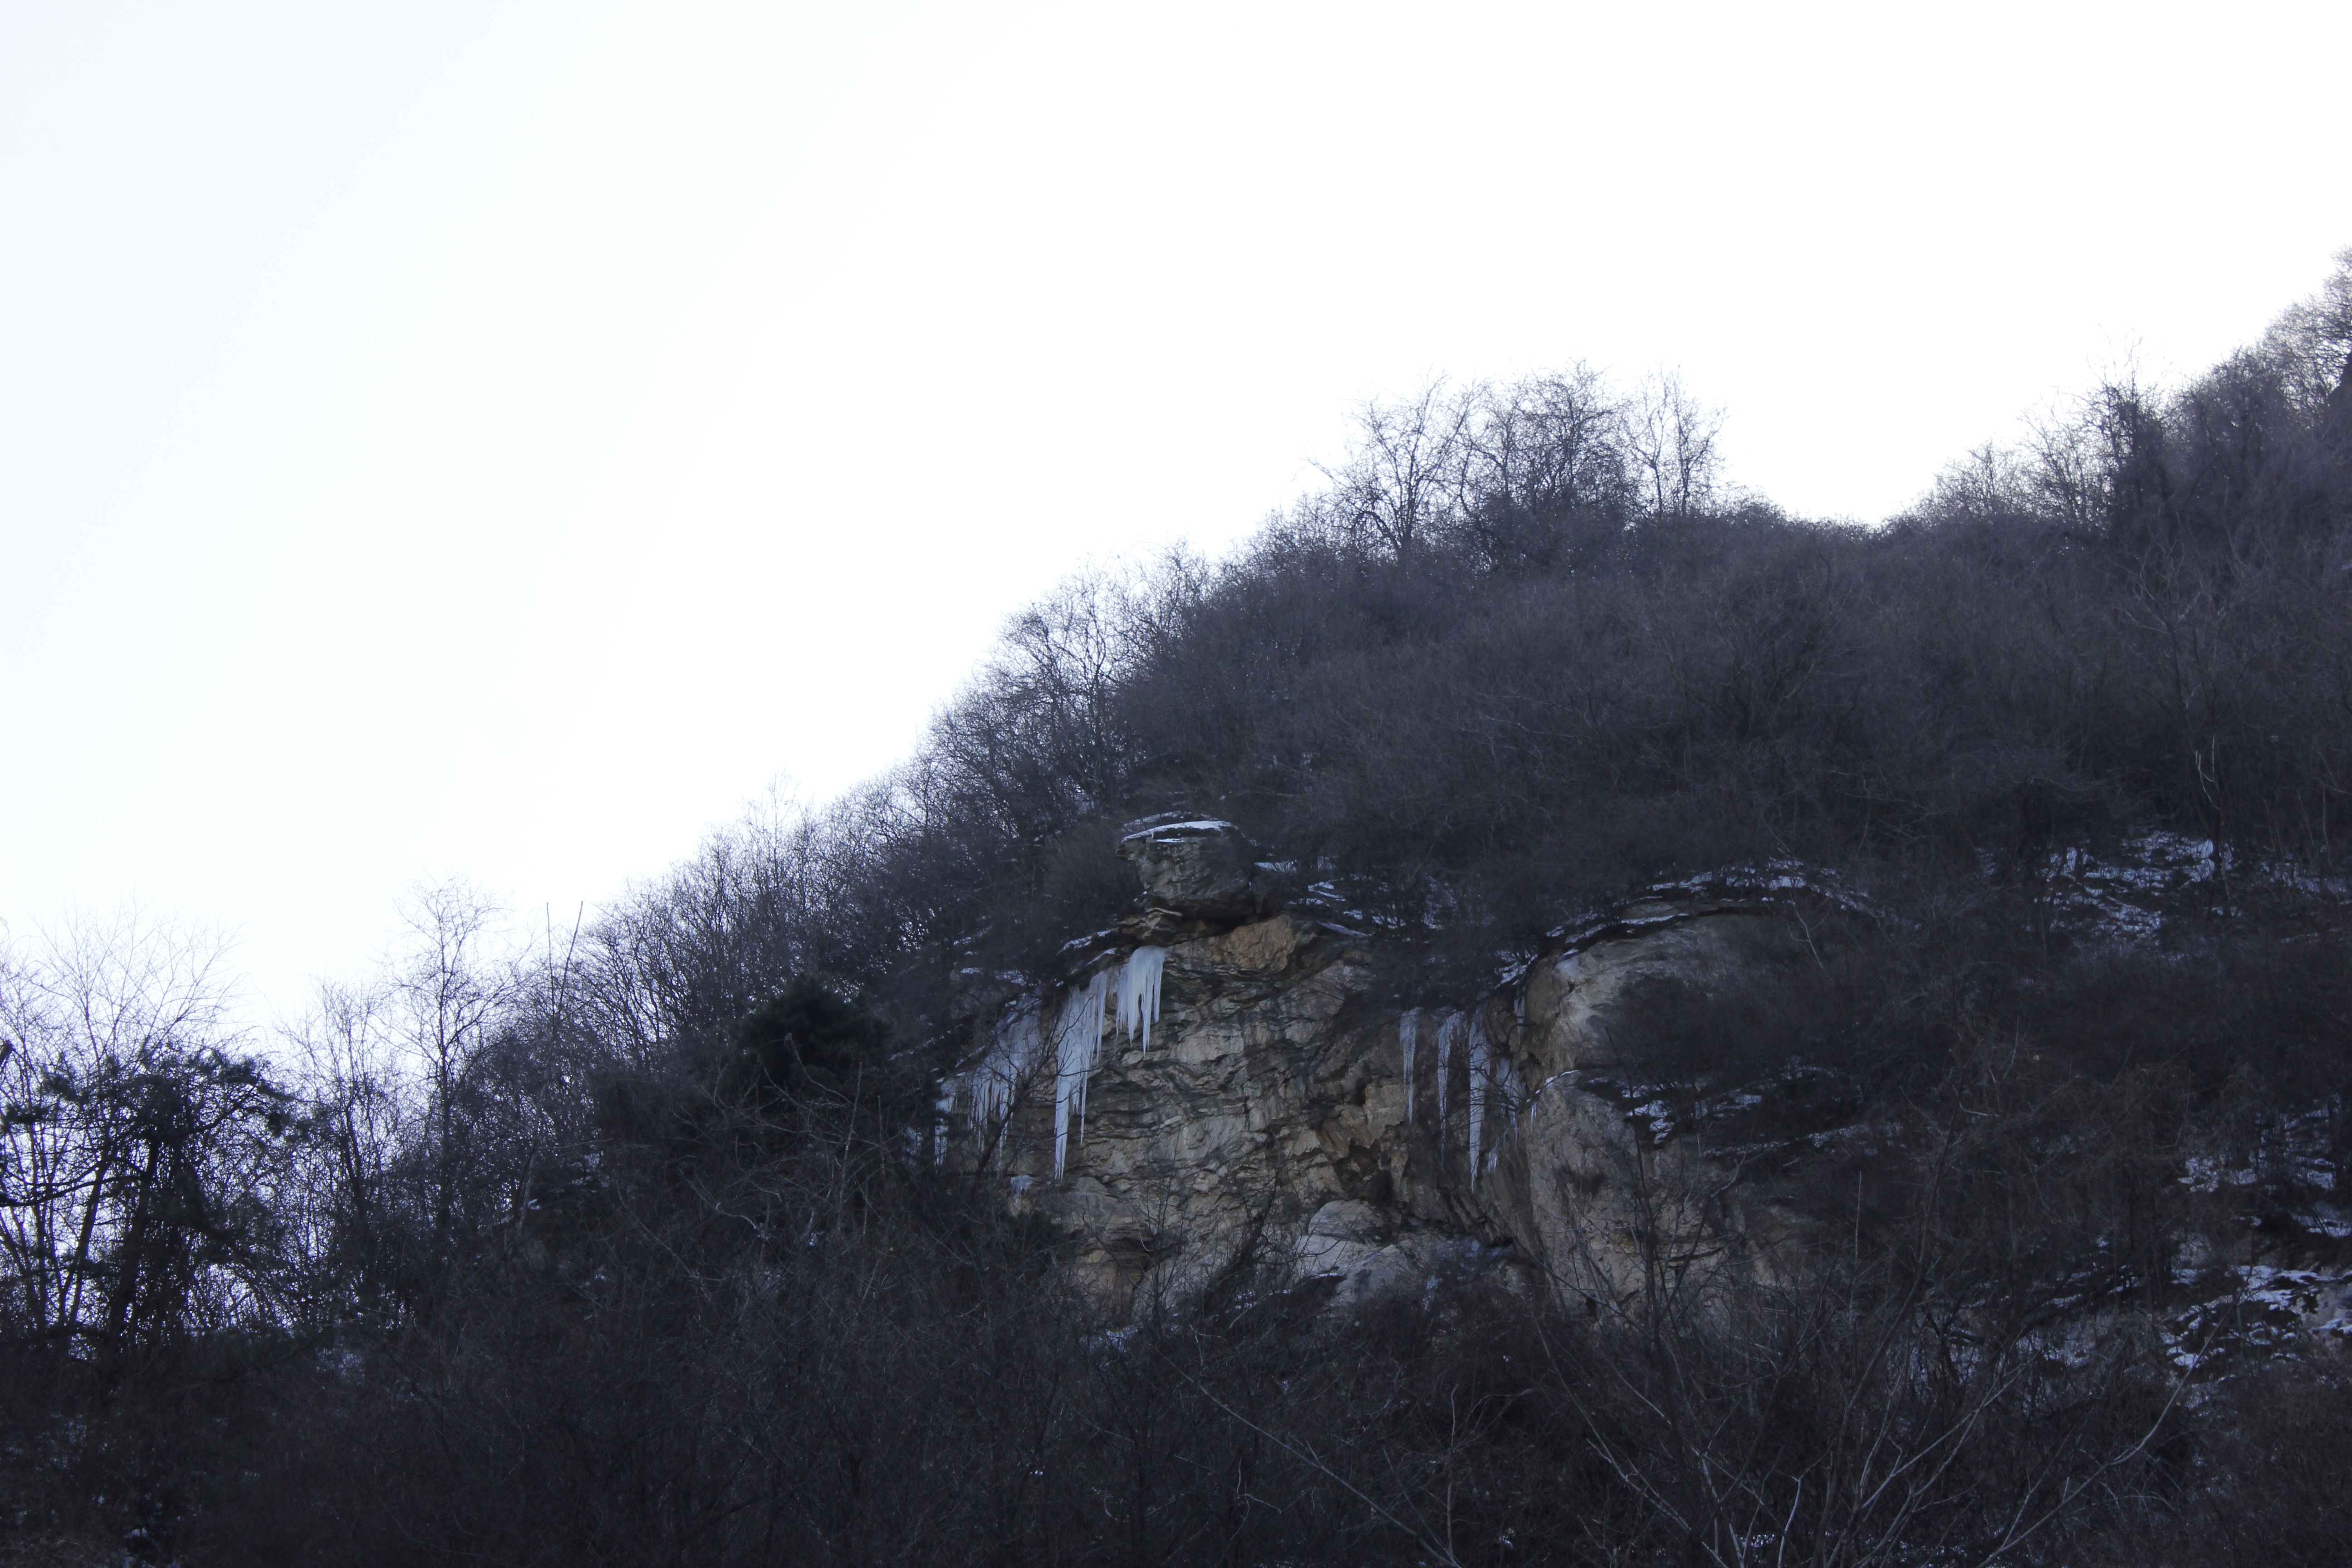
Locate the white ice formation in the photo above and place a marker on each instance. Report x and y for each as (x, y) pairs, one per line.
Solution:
(1012, 1057)
(1449, 1043)
(1138, 994)
(1077, 1046)
(1495, 1088)
(1407, 1039)
(1128, 997)
(1495, 1084)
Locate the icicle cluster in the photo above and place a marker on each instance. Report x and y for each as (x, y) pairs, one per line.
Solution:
(1408, 1040)
(1077, 1046)
(1138, 994)
(1013, 1054)
(1134, 1004)
(1449, 1043)
(1128, 995)
(1495, 1082)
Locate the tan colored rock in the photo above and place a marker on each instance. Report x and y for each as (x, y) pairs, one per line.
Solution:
(1267, 1128)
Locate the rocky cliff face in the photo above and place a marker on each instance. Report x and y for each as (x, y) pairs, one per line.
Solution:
(1277, 1115)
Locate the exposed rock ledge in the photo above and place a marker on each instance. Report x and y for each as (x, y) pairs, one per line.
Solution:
(1281, 1115)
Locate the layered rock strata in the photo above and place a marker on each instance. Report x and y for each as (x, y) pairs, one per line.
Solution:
(1278, 1115)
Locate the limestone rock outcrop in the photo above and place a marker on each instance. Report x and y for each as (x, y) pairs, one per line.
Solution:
(1282, 1117)
(1198, 873)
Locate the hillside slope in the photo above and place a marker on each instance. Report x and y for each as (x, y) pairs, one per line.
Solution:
(1654, 1032)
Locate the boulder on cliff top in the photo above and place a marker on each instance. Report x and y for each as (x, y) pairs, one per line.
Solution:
(1200, 869)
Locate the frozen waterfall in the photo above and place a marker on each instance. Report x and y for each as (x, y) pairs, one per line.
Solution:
(1408, 1037)
(1128, 993)
(1138, 994)
(1013, 1054)
(1496, 1091)
(1077, 1046)
(1449, 1043)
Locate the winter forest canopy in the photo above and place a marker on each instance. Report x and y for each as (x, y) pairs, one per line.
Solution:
(633, 1246)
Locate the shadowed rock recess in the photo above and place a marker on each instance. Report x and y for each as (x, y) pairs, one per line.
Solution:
(1277, 1114)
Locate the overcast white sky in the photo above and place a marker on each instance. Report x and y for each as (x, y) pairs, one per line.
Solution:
(499, 437)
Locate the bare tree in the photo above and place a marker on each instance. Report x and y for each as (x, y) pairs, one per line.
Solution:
(140, 1145)
(365, 1113)
(1673, 440)
(2064, 470)
(1992, 481)
(2312, 341)
(1412, 470)
(1552, 442)
(446, 994)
